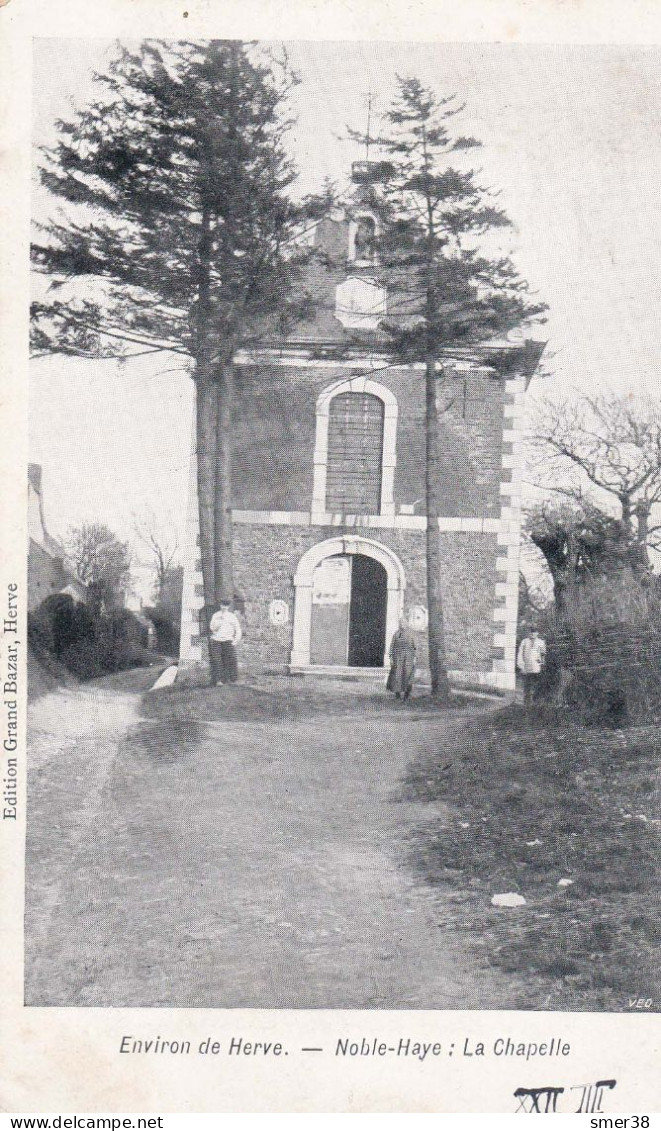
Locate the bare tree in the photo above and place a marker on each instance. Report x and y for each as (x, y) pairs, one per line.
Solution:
(578, 541)
(101, 560)
(536, 588)
(163, 547)
(608, 447)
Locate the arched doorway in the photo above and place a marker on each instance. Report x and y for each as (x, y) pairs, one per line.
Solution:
(349, 596)
(349, 609)
(367, 613)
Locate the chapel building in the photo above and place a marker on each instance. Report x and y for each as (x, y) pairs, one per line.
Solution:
(329, 486)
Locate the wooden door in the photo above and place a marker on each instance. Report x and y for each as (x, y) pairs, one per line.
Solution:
(331, 596)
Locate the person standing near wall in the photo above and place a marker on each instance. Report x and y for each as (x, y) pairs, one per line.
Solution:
(402, 661)
(530, 661)
(225, 634)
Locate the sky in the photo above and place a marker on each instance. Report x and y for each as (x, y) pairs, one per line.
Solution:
(571, 140)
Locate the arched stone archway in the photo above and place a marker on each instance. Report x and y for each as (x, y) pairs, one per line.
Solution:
(361, 384)
(303, 582)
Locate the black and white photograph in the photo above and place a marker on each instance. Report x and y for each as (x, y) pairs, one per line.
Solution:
(345, 629)
(343, 588)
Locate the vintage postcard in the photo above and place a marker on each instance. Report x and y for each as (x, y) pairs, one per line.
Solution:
(331, 592)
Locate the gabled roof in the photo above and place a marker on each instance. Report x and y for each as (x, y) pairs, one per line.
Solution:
(45, 541)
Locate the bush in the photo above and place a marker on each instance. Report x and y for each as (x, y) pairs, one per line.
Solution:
(88, 643)
(60, 622)
(119, 641)
(608, 638)
(128, 627)
(40, 632)
(166, 622)
(84, 660)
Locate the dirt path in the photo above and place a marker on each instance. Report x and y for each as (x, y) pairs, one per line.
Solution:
(233, 864)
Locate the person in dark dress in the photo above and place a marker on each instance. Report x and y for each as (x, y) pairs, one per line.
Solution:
(402, 661)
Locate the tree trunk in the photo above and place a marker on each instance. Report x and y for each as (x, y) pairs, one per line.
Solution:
(642, 536)
(627, 517)
(440, 687)
(224, 572)
(559, 591)
(205, 419)
(205, 435)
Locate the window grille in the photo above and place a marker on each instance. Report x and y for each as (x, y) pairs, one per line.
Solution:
(355, 454)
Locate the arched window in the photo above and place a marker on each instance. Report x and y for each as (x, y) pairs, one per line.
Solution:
(364, 244)
(355, 449)
(354, 459)
(363, 233)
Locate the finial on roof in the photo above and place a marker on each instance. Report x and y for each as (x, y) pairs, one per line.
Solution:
(371, 172)
(369, 123)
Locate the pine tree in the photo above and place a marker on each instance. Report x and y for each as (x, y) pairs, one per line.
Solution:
(177, 235)
(442, 292)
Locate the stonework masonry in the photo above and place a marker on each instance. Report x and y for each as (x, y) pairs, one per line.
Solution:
(269, 556)
(274, 434)
(281, 528)
(506, 600)
(479, 549)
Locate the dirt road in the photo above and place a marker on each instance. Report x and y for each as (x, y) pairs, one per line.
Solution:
(233, 863)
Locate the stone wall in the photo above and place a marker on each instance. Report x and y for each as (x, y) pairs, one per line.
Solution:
(267, 556)
(274, 433)
(480, 530)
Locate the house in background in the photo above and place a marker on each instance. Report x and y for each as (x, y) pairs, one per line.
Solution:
(329, 486)
(48, 571)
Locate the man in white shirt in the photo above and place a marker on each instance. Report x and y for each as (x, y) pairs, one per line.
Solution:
(224, 635)
(530, 661)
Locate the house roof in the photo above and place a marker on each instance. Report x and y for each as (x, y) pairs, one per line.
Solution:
(45, 541)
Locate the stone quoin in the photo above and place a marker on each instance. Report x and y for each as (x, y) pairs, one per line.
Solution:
(329, 516)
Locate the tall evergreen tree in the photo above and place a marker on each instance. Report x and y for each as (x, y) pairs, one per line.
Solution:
(442, 291)
(177, 234)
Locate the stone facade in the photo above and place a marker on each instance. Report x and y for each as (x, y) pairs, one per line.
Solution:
(479, 561)
(268, 555)
(283, 531)
(275, 425)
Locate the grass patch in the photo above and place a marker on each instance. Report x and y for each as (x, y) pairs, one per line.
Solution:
(288, 698)
(533, 804)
